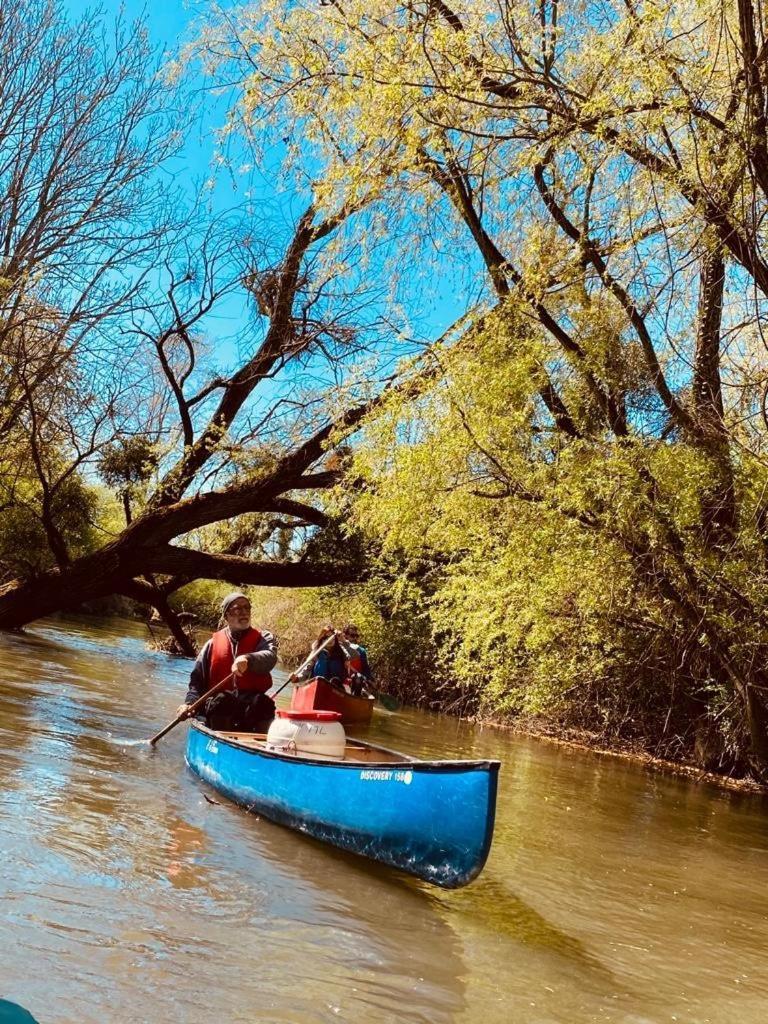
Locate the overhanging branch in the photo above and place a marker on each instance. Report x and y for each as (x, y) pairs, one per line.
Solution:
(184, 562)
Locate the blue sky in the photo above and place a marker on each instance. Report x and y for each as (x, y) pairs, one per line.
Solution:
(170, 22)
(166, 19)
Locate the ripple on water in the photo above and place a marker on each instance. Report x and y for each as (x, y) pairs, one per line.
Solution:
(609, 895)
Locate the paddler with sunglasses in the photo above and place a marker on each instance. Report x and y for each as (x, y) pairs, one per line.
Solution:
(344, 664)
(247, 652)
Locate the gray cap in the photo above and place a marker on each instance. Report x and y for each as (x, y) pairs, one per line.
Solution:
(230, 599)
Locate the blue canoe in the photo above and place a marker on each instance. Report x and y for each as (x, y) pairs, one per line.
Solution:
(433, 819)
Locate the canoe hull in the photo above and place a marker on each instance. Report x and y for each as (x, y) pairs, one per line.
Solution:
(321, 696)
(430, 819)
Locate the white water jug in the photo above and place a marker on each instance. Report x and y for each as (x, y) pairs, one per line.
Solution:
(307, 732)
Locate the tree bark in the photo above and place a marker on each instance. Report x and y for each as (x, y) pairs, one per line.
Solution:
(719, 500)
(148, 593)
(127, 507)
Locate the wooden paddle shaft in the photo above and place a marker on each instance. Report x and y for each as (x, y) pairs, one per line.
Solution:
(189, 711)
(307, 661)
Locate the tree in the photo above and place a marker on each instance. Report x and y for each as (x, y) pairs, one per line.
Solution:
(84, 118)
(598, 172)
(127, 465)
(188, 436)
(607, 165)
(266, 480)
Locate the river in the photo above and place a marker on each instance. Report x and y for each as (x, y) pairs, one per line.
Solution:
(610, 894)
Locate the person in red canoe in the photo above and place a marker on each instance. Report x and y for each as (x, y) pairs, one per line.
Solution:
(358, 669)
(344, 664)
(331, 663)
(250, 654)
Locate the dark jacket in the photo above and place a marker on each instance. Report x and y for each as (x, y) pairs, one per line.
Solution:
(330, 665)
(262, 660)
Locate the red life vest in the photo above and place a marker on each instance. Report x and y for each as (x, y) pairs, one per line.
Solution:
(223, 654)
(356, 661)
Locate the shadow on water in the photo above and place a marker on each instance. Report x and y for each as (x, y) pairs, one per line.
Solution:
(418, 916)
(511, 916)
(490, 897)
(377, 928)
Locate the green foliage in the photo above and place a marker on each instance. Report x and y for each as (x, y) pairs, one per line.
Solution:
(129, 461)
(24, 547)
(203, 600)
(551, 574)
(396, 635)
(128, 465)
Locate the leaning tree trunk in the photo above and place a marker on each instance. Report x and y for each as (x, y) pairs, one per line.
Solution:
(94, 576)
(111, 570)
(150, 594)
(122, 565)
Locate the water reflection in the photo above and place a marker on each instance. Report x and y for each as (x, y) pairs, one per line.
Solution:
(609, 895)
(183, 853)
(129, 867)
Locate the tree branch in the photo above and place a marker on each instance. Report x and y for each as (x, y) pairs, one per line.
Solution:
(593, 255)
(201, 565)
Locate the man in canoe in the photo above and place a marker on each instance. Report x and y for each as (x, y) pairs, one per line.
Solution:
(344, 664)
(248, 653)
(357, 660)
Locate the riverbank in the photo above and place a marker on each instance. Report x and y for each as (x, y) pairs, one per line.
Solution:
(548, 732)
(643, 717)
(582, 740)
(604, 885)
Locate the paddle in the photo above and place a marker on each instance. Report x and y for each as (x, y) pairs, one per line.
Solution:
(390, 703)
(192, 708)
(386, 701)
(225, 682)
(307, 661)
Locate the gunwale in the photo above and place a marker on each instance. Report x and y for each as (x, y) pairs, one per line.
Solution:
(356, 710)
(255, 743)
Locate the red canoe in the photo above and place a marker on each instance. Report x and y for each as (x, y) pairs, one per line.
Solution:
(318, 695)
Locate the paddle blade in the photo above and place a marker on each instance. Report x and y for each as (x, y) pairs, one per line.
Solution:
(390, 703)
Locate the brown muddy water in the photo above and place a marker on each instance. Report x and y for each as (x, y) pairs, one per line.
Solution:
(610, 894)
